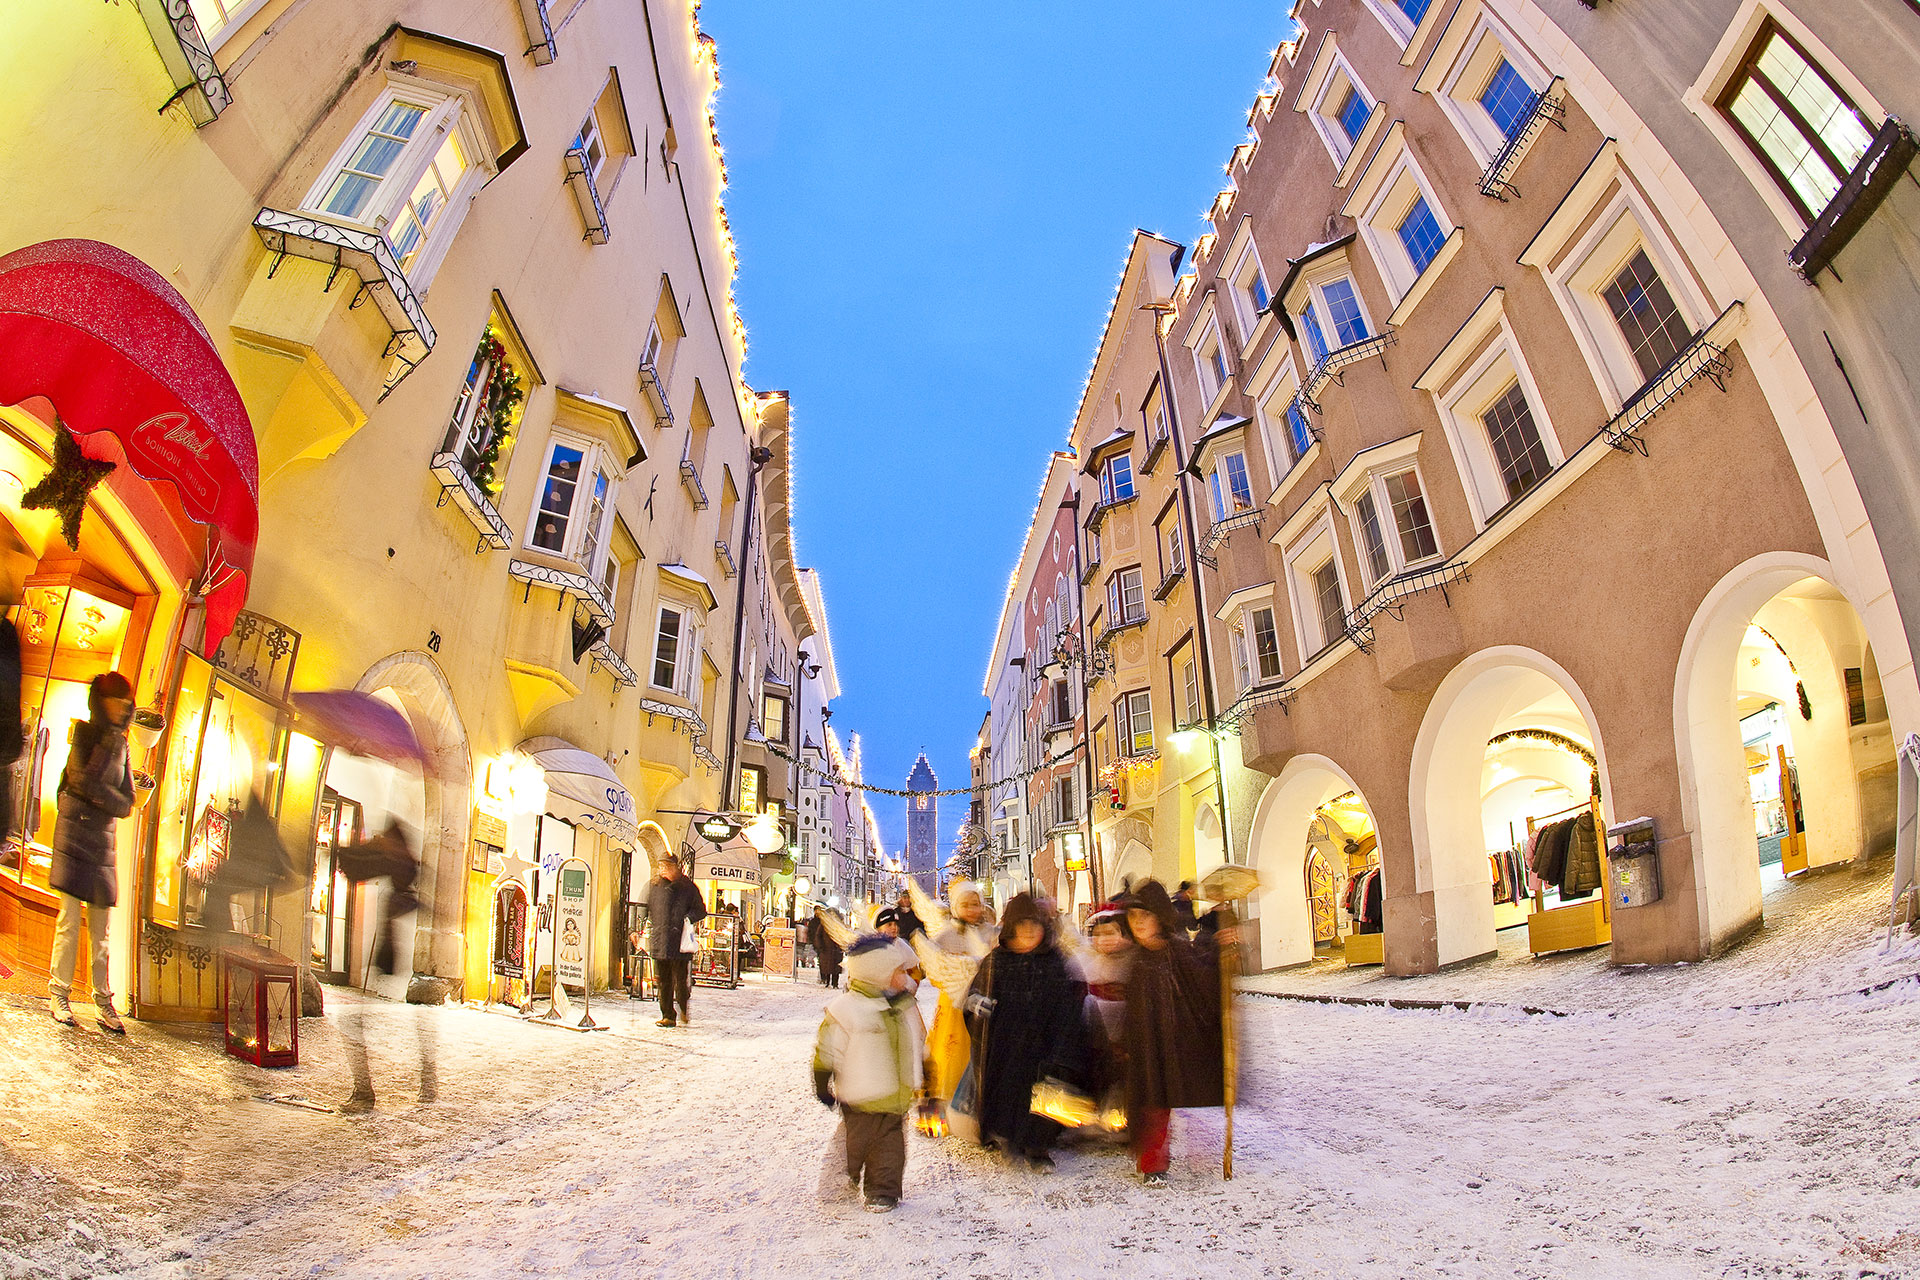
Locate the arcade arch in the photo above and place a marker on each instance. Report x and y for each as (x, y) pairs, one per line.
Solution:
(1782, 734)
(1508, 737)
(1311, 830)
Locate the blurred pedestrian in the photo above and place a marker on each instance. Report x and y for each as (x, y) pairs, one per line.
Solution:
(1024, 1017)
(13, 733)
(1172, 1035)
(1183, 910)
(1105, 967)
(955, 953)
(887, 924)
(95, 792)
(909, 920)
(867, 1058)
(673, 907)
(826, 949)
(388, 856)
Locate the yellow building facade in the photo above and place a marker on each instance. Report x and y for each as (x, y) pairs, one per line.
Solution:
(467, 267)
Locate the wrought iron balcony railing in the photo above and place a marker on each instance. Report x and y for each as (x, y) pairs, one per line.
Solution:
(1169, 582)
(459, 486)
(587, 193)
(1704, 357)
(1223, 528)
(1098, 516)
(199, 85)
(1391, 595)
(371, 260)
(1332, 366)
(690, 477)
(1549, 108)
(1887, 157)
(656, 389)
(723, 555)
(539, 32)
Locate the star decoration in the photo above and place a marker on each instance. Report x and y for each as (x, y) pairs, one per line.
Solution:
(66, 487)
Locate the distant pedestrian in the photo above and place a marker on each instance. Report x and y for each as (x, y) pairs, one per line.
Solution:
(867, 1058)
(673, 907)
(826, 949)
(388, 856)
(905, 916)
(1024, 1016)
(1183, 910)
(1172, 1035)
(95, 792)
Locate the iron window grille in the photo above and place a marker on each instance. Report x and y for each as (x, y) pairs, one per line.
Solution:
(724, 555)
(458, 486)
(540, 31)
(1390, 597)
(656, 387)
(1331, 368)
(690, 477)
(587, 193)
(199, 85)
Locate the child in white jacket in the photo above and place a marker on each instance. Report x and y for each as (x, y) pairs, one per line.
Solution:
(867, 1058)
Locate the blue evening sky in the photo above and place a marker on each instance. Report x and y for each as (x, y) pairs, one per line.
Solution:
(932, 203)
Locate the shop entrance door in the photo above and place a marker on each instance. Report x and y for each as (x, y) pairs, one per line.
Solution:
(330, 930)
(1322, 890)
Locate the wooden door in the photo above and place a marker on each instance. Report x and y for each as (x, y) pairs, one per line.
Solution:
(1322, 892)
(1793, 844)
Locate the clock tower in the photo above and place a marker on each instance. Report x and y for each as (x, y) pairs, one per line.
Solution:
(923, 826)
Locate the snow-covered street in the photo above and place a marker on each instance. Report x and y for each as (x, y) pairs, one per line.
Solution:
(1673, 1139)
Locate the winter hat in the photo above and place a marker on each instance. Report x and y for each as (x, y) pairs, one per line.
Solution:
(108, 684)
(887, 916)
(1025, 907)
(1152, 896)
(1108, 913)
(872, 959)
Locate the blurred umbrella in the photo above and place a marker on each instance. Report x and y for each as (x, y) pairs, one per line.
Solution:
(1229, 883)
(358, 723)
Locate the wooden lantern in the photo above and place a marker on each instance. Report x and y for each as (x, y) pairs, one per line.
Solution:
(262, 999)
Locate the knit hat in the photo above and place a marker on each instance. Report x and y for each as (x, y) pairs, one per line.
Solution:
(1108, 913)
(886, 916)
(872, 959)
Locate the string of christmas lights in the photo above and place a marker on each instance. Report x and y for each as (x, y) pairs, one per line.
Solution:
(1022, 776)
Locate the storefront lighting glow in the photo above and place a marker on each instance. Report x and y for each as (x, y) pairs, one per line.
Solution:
(765, 834)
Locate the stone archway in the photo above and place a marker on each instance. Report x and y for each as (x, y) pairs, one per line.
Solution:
(415, 680)
(1277, 847)
(1493, 691)
(1783, 604)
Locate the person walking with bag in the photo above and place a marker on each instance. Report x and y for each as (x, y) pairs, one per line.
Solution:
(96, 791)
(1024, 1016)
(673, 908)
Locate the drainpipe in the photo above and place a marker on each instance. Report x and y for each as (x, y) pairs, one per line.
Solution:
(1095, 881)
(1204, 634)
(757, 459)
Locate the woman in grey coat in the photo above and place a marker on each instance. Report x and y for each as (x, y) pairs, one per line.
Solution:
(96, 791)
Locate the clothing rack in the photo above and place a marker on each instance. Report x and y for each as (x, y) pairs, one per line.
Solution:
(1574, 925)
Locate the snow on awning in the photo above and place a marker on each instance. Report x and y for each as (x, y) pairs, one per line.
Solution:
(583, 788)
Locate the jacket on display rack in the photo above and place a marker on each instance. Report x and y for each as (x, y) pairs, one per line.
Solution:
(1363, 901)
(1566, 855)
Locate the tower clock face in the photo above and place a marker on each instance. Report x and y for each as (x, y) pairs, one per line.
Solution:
(921, 803)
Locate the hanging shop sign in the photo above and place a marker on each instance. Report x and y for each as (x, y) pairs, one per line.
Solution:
(737, 865)
(571, 919)
(510, 930)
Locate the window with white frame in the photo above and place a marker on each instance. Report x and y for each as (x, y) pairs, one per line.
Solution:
(1137, 721)
(1126, 597)
(219, 19)
(575, 501)
(1256, 646)
(1229, 485)
(1490, 90)
(1401, 17)
(1189, 687)
(1210, 361)
(1496, 423)
(1155, 414)
(1283, 421)
(1250, 295)
(676, 648)
(1173, 551)
(1797, 120)
(1632, 307)
(1116, 479)
(1315, 589)
(408, 170)
(1341, 110)
(1332, 317)
(1405, 226)
(1393, 530)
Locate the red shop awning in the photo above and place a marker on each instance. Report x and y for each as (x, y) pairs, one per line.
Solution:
(115, 348)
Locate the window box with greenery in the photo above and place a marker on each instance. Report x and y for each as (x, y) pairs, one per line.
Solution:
(471, 463)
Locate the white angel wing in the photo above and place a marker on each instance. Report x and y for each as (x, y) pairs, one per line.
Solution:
(950, 971)
(932, 915)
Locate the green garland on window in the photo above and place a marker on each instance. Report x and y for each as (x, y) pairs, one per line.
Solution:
(500, 398)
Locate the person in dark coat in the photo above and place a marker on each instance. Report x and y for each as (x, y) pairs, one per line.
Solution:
(96, 791)
(1183, 909)
(388, 856)
(1024, 1016)
(1173, 1037)
(672, 902)
(908, 920)
(826, 949)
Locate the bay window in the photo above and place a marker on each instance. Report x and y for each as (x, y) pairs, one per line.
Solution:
(676, 649)
(574, 503)
(1229, 486)
(1116, 479)
(408, 170)
(1126, 597)
(1332, 317)
(1383, 496)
